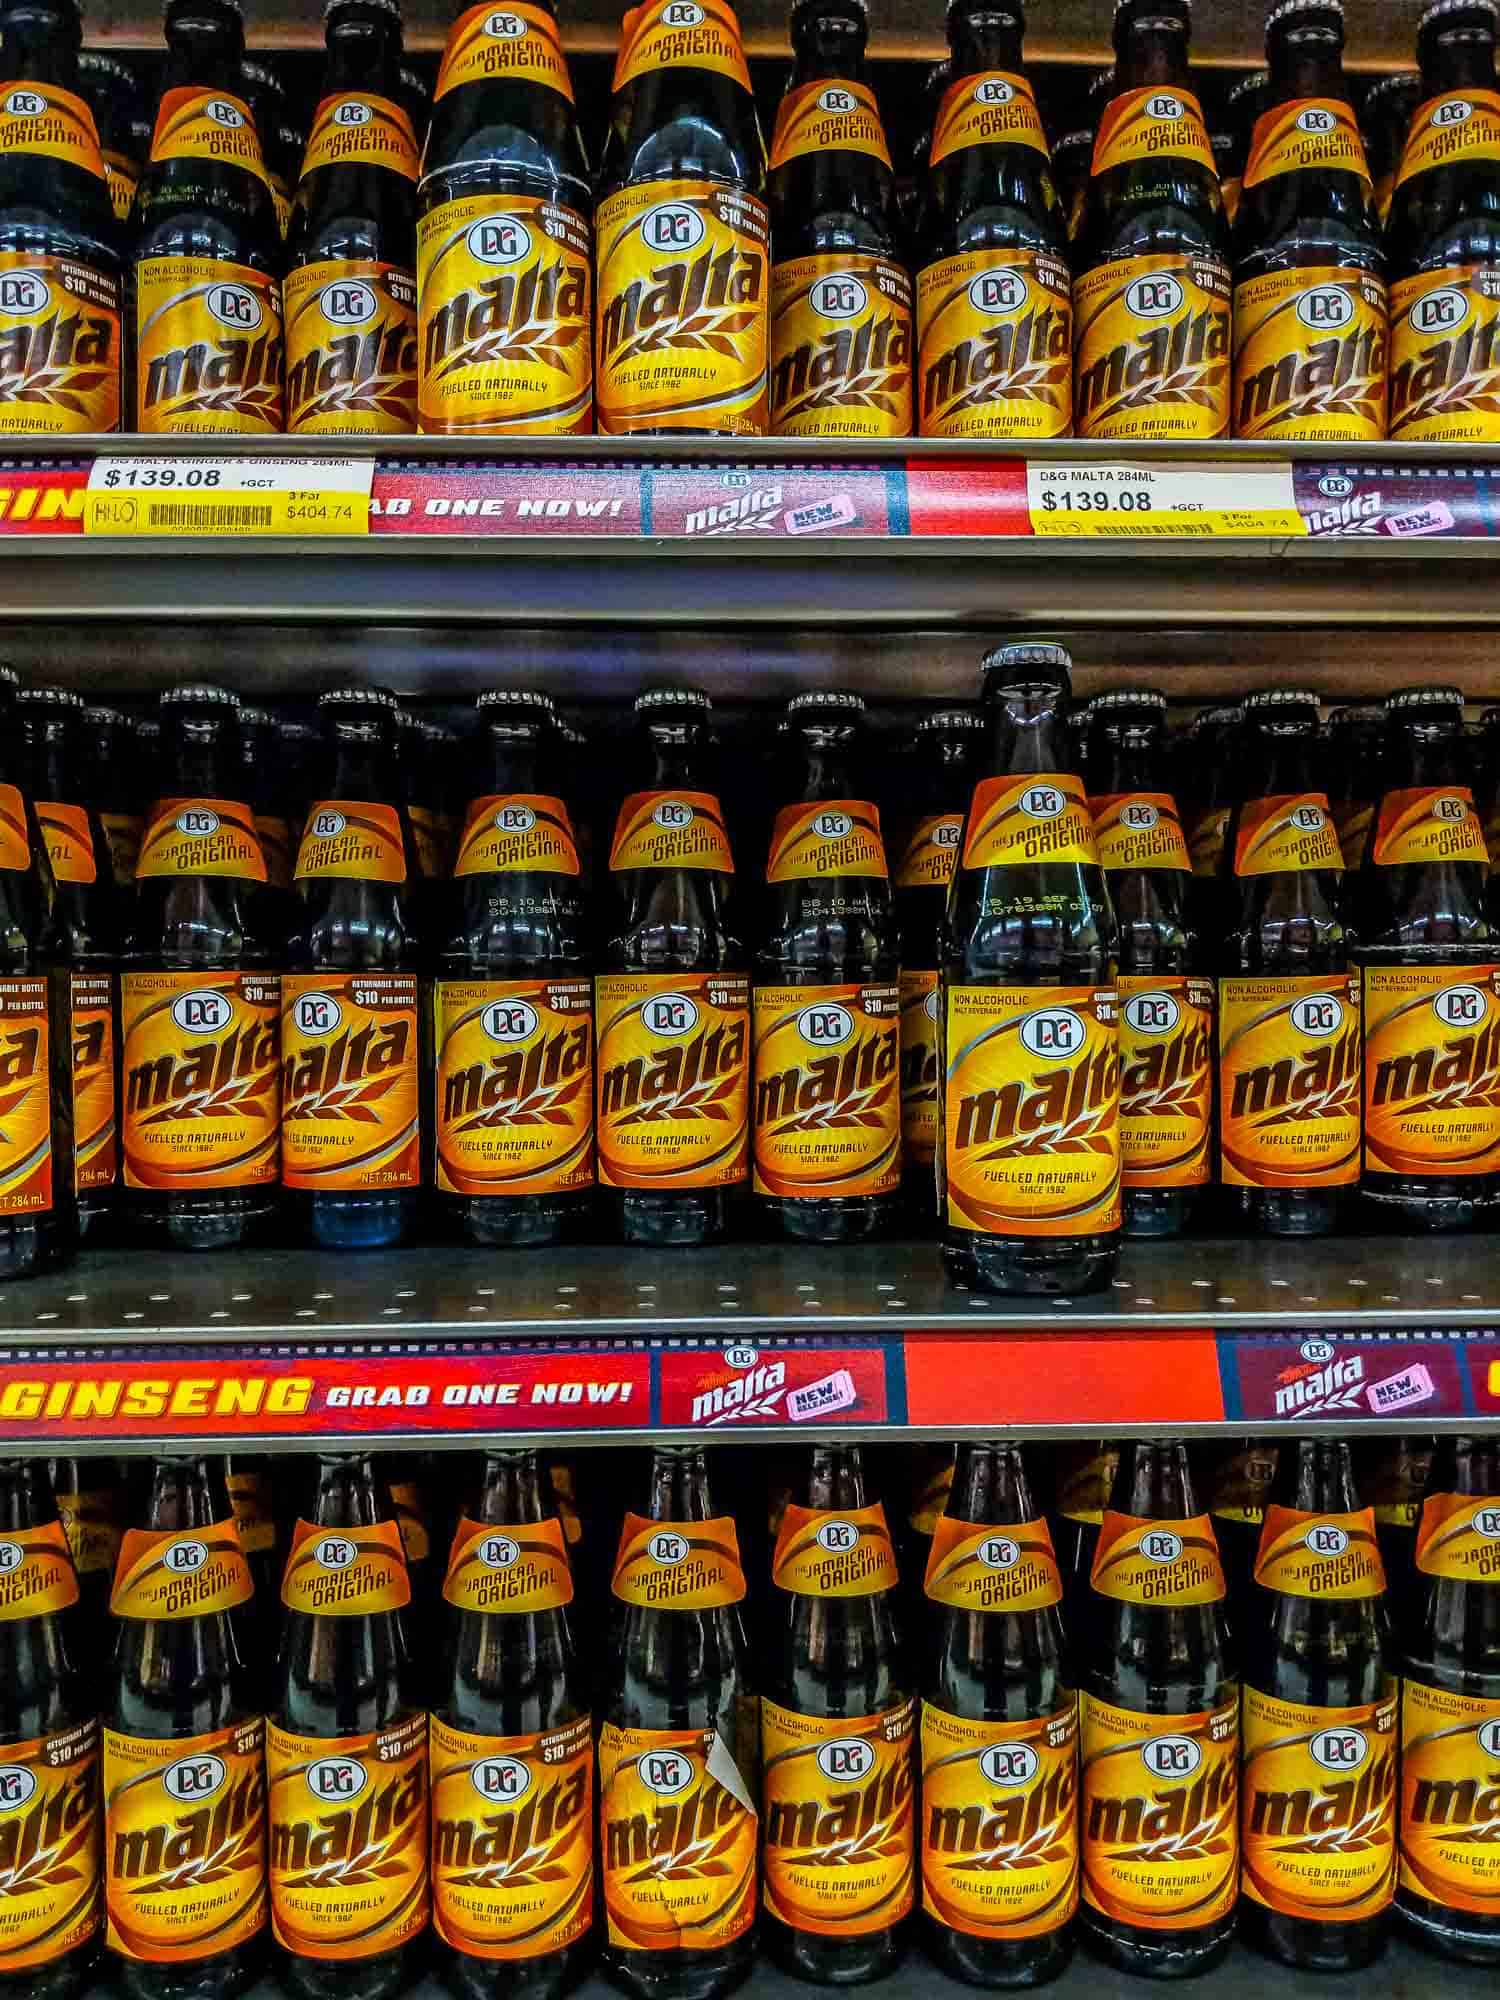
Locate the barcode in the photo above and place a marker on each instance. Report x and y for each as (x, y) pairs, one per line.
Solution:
(193, 514)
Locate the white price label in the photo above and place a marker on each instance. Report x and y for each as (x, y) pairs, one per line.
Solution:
(1141, 502)
(182, 495)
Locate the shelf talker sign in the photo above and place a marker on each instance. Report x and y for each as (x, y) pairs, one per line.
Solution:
(190, 495)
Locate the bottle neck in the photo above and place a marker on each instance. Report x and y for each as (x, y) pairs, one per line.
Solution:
(1460, 61)
(513, 759)
(185, 1495)
(1027, 732)
(1130, 760)
(828, 762)
(1152, 52)
(360, 762)
(25, 1495)
(1284, 763)
(364, 53)
(1467, 1465)
(346, 1496)
(835, 1476)
(1154, 1481)
(205, 50)
(47, 760)
(830, 46)
(983, 41)
(679, 1485)
(510, 1493)
(41, 45)
(1316, 1477)
(677, 755)
(1427, 754)
(1308, 64)
(202, 759)
(990, 1487)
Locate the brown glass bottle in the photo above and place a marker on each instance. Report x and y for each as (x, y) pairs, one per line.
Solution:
(1444, 235)
(278, 820)
(1309, 269)
(347, 1730)
(112, 93)
(913, 175)
(1450, 1706)
(1289, 1035)
(1356, 739)
(672, 1004)
(183, 1749)
(1166, 1002)
(681, 1722)
(1245, 103)
(514, 1002)
(683, 232)
(837, 1691)
(826, 1120)
(1029, 946)
(1206, 766)
(1391, 1475)
(935, 796)
(841, 330)
(199, 1002)
(1385, 117)
(108, 752)
(90, 1497)
(350, 294)
(1151, 257)
(249, 1483)
(1237, 1477)
(1430, 963)
(999, 1733)
(206, 331)
(1082, 1476)
(512, 1751)
(1320, 1692)
(994, 304)
(1156, 1645)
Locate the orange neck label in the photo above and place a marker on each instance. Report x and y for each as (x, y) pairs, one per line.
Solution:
(349, 1058)
(823, 1553)
(362, 130)
(25, 1098)
(995, 345)
(195, 124)
(51, 1785)
(1287, 834)
(349, 1840)
(678, 1565)
(275, 838)
(1155, 123)
(515, 1086)
(921, 1010)
(1036, 818)
(1241, 1483)
(838, 1858)
(1139, 830)
(253, 1515)
(36, 1576)
(1428, 823)
(929, 1499)
(1289, 1079)
(1318, 1807)
(15, 841)
(1032, 1110)
(1164, 1564)
(1310, 354)
(840, 346)
(202, 1079)
(185, 1847)
(1459, 1537)
(1447, 130)
(680, 34)
(1330, 1557)
(209, 359)
(92, 1528)
(827, 1091)
(832, 115)
(1432, 1070)
(1166, 1080)
(1084, 1484)
(179, 1573)
(508, 1569)
(346, 1572)
(1160, 1814)
(1153, 347)
(994, 107)
(668, 1799)
(930, 858)
(201, 837)
(1306, 135)
(523, 833)
(70, 845)
(671, 830)
(45, 120)
(513, 1840)
(992, 1569)
(1449, 1803)
(1445, 355)
(352, 840)
(1000, 1823)
(830, 838)
(351, 348)
(123, 180)
(1206, 834)
(673, 1079)
(516, 43)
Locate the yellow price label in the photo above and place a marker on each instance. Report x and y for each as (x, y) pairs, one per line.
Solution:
(228, 496)
(1150, 502)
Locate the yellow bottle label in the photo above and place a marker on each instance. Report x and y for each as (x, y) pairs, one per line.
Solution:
(930, 857)
(275, 838)
(69, 844)
(995, 345)
(1318, 1807)
(349, 1055)
(921, 1007)
(44, 120)
(933, 1484)
(346, 1572)
(830, 838)
(351, 348)
(197, 124)
(1084, 1480)
(1166, 1080)
(992, 1569)
(827, 1091)
(508, 1570)
(1152, 355)
(15, 841)
(1288, 833)
(1310, 354)
(1041, 817)
(1306, 135)
(165, 1573)
(1206, 835)
(1445, 355)
(202, 1079)
(668, 1799)
(1031, 1118)
(1352, 820)
(671, 830)
(1163, 1564)
(1152, 123)
(184, 1842)
(512, 44)
(1160, 1814)
(678, 1565)
(1432, 1053)
(504, 284)
(60, 344)
(1000, 1823)
(682, 331)
(680, 34)
(209, 347)
(830, 115)
(93, 1532)
(253, 1514)
(123, 178)
(36, 1578)
(993, 107)
(515, 1086)
(1329, 1557)
(25, 1098)
(349, 1874)
(841, 337)
(821, 1552)
(1423, 823)
(50, 1865)
(410, 1503)
(528, 833)
(352, 840)
(1459, 1537)
(1241, 1483)
(512, 1840)
(360, 129)
(674, 1079)
(1447, 130)
(839, 1857)
(1450, 1800)
(1139, 830)
(201, 837)
(123, 831)
(1289, 1080)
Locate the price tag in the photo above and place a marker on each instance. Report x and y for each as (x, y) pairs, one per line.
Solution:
(1143, 502)
(228, 496)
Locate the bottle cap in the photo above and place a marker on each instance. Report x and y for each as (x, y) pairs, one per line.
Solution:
(413, 82)
(1357, 711)
(1022, 655)
(1258, 79)
(100, 717)
(258, 73)
(391, 7)
(434, 732)
(1481, 14)
(1293, 697)
(357, 697)
(1225, 715)
(9, 678)
(802, 8)
(1011, 15)
(198, 693)
(1424, 697)
(235, 7)
(257, 718)
(516, 698)
(1079, 136)
(103, 65)
(1400, 82)
(1287, 10)
(1181, 10)
(1151, 698)
(50, 697)
(670, 697)
(827, 698)
(951, 718)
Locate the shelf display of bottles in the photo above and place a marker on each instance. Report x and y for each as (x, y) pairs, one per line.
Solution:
(459, 268)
